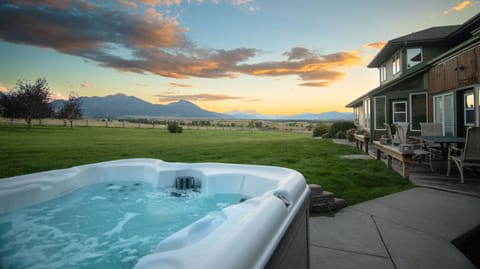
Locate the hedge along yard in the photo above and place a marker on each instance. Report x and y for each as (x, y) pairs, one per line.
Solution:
(44, 148)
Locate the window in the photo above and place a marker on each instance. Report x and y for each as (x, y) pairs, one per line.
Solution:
(469, 109)
(366, 106)
(399, 111)
(418, 110)
(383, 73)
(356, 116)
(414, 57)
(396, 63)
(444, 113)
(380, 112)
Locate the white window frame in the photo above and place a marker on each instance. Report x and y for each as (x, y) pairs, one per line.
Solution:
(393, 111)
(465, 109)
(421, 53)
(411, 108)
(383, 127)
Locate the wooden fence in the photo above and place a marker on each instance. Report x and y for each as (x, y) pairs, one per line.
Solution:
(238, 125)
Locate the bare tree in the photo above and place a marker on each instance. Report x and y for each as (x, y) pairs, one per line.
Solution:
(28, 101)
(71, 109)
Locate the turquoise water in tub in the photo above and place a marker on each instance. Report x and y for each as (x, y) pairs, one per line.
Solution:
(108, 225)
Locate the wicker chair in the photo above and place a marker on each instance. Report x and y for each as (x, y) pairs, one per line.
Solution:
(469, 156)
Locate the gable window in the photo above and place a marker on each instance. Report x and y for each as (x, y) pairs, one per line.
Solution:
(468, 109)
(414, 57)
(418, 110)
(399, 111)
(383, 73)
(380, 112)
(396, 63)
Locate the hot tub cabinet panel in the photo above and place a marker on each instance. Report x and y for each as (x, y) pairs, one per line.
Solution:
(294, 248)
(267, 230)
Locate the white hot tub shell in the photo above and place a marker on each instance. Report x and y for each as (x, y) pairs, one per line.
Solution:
(269, 230)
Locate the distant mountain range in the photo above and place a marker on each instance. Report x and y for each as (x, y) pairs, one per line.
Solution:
(121, 105)
(332, 115)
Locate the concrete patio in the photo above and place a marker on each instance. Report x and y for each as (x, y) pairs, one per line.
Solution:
(410, 229)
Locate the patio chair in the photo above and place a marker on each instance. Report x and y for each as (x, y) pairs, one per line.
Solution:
(419, 153)
(432, 129)
(469, 155)
(401, 132)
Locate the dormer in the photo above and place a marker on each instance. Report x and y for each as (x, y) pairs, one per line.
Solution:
(406, 54)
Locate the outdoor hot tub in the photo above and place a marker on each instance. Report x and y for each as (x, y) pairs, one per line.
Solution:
(258, 216)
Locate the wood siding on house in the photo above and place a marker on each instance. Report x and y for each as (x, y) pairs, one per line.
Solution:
(459, 71)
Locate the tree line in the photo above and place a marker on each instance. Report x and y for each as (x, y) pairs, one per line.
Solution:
(32, 100)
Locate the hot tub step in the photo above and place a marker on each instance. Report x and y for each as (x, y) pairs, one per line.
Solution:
(324, 201)
(326, 196)
(315, 189)
(337, 204)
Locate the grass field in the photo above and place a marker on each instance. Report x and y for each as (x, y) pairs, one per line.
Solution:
(45, 148)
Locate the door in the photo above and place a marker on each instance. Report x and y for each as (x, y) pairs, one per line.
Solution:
(444, 113)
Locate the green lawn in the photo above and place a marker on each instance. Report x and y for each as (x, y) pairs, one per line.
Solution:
(45, 148)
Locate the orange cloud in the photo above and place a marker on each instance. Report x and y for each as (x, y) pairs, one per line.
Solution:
(3, 89)
(180, 85)
(316, 84)
(461, 6)
(252, 100)
(308, 65)
(86, 84)
(376, 45)
(164, 98)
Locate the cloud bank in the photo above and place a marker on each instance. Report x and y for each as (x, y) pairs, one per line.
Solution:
(137, 36)
(163, 98)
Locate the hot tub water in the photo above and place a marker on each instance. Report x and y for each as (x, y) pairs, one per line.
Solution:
(107, 225)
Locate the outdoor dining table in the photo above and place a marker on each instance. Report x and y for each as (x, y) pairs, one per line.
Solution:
(444, 141)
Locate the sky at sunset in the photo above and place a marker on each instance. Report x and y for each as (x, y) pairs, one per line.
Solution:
(268, 56)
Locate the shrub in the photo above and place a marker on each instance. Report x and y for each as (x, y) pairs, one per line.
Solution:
(341, 134)
(340, 126)
(320, 130)
(173, 127)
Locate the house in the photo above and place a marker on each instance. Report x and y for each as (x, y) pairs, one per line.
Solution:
(404, 93)
(454, 81)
